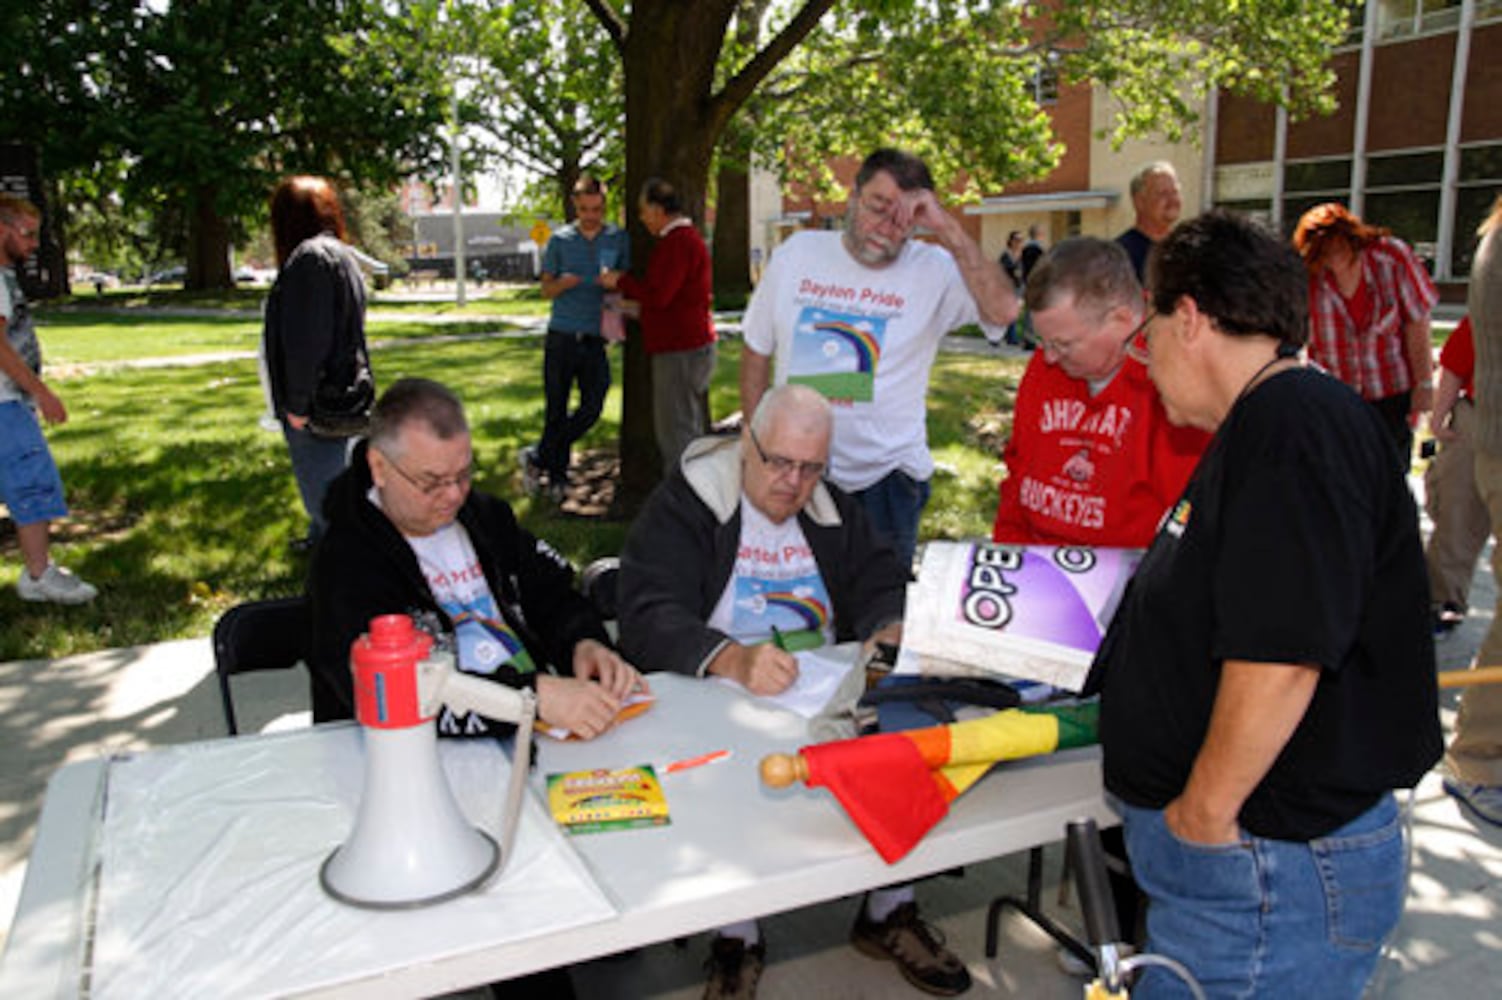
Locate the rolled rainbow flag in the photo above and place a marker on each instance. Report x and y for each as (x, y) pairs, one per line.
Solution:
(896, 786)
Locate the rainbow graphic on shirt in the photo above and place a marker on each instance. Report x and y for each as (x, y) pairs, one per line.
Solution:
(812, 610)
(837, 353)
(796, 609)
(486, 642)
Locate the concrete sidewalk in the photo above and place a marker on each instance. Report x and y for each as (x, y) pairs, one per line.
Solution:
(54, 712)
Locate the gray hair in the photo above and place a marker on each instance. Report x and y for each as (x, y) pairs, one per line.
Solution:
(1096, 272)
(410, 400)
(796, 402)
(1139, 179)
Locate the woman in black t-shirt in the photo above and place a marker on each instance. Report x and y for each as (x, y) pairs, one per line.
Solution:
(1270, 674)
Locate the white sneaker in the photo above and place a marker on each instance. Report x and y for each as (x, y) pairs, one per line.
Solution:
(531, 471)
(56, 585)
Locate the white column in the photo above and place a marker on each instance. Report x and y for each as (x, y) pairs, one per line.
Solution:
(1207, 161)
(1449, 183)
(1363, 108)
(1280, 163)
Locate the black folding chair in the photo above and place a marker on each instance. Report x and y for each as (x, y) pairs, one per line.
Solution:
(599, 584)
(259, 635)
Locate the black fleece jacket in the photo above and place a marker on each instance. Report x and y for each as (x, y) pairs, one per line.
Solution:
(315, 324)
(364, 568)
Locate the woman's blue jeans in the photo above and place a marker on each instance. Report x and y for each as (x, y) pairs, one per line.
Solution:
(315, 463)
(1269, 918)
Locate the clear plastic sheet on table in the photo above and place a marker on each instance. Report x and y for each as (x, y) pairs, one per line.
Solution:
(1036, 612)
(209, 871)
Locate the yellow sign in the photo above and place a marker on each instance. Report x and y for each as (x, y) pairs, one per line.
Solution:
(540, 232)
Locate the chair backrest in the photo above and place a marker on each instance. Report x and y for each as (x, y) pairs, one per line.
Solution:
(598, 582)
(259, 635)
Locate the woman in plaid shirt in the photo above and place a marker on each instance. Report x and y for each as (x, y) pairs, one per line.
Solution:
(1369, 302)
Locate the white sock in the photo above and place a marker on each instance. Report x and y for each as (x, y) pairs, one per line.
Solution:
(747, 930)
(881, 902)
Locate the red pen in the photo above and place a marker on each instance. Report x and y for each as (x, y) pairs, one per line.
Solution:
(692, 762)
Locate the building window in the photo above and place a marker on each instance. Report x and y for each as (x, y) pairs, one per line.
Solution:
(1315, 176)
(1046, 82)
(1480, 183)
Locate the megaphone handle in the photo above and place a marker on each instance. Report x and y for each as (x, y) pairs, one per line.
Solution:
(521, 760)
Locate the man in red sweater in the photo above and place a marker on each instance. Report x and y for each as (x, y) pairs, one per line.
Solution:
(677, 330)
(1093, 459)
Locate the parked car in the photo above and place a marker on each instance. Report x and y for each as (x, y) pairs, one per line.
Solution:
(169, 276)
(99, 279)
(246, 275)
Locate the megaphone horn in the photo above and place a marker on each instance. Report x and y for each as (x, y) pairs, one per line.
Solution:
(411, 845)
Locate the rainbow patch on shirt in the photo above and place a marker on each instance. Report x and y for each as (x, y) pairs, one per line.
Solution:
(1178, 518)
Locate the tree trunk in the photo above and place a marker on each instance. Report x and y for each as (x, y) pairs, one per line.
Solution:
(208, 244)
(568, 175)
(732, 232)
(669, 66)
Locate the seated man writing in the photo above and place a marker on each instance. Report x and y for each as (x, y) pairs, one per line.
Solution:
(407, 535)
(742, 552)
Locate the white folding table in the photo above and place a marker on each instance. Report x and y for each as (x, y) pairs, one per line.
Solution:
(733, 850)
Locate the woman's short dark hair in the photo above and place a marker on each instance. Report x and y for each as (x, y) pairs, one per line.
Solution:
(659, 192)
(301, 208)
(1239, 274)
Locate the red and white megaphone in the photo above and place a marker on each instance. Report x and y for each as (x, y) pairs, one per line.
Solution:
(411, 846)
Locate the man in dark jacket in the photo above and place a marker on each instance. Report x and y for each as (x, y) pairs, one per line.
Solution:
(744, 554)
(406, 535)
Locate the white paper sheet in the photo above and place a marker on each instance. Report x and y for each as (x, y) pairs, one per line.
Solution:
(819, 674)
(209, 879)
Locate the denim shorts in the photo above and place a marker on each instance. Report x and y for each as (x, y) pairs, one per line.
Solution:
(29, 483)
(1269, 918)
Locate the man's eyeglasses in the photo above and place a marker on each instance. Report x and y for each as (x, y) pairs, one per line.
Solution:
(1136, 344)
(433, 485)
(781, 466)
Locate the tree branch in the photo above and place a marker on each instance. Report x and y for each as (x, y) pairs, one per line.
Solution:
(740, 87)
(611, 22)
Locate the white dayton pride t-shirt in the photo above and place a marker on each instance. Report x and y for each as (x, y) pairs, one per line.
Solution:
(865, 337)
(484, 641)
(775, 584)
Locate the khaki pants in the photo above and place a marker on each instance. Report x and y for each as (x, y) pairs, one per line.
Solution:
(1461, 521)
(1475, 754)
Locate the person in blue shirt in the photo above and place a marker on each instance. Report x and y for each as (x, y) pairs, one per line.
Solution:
(575, 349)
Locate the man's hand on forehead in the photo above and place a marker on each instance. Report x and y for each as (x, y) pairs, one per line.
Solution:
(918, 207)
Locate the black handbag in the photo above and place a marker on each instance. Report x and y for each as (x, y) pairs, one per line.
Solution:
(343, 412)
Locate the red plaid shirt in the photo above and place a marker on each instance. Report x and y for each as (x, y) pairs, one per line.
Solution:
(1373, 360)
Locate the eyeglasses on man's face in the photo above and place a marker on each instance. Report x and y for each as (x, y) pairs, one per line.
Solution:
(782, 466)
(433, 485)
(1136, 344)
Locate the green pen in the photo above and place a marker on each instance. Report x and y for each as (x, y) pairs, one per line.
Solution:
(777, 639)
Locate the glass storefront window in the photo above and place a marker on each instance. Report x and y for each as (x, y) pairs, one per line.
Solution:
(1318, 175)
(1409, 168)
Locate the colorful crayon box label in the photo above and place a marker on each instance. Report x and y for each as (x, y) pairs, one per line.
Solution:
(593, 801)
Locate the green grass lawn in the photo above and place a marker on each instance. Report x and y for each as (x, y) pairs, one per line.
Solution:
(87, 337)
(183, 507)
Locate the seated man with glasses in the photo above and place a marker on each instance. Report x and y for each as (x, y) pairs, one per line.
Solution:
(407, 535)
(742, 556)
(1092, 459)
